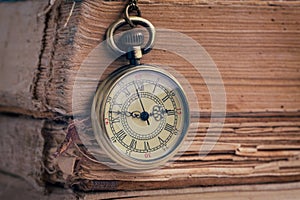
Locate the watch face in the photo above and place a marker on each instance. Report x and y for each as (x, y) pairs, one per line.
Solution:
(143, 115)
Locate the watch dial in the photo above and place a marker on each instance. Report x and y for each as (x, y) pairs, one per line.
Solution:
(145, 115)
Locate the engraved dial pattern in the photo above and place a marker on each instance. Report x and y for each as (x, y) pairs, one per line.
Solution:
(145, 115)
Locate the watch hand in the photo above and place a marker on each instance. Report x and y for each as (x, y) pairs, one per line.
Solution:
(167, 111)
(134, 114)
(144, 115)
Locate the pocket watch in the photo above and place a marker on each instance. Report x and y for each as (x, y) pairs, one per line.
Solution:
(140, 113)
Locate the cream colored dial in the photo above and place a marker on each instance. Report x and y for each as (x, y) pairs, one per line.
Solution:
(144, 117)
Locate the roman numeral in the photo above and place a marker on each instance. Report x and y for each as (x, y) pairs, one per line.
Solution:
(155, 85)
(169, 128)
(126, 92)
(146, 146)
(121, 135)
(115, 112)
(140, 85)
(170, 112)
(113, 139)
(109, 100)
(116, 120)
(161, 141)
(165, 98)
(170, 94)
(133, 144)
(121, 84)
(124, 89)
(118, 104)
(163, 144)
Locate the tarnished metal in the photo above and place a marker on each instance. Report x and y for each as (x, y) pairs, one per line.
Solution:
(137, 21)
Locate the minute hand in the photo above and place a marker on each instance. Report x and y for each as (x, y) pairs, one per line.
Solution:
(140, 99)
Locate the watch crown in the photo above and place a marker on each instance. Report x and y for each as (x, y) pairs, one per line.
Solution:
(132, 38)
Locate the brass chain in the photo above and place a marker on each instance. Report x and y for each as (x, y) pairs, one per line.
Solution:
(133, 2)
(131, 7)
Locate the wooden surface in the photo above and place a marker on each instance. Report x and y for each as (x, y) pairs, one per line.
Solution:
(255, 44)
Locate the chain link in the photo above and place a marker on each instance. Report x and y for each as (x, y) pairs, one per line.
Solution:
(131, 7)
(133, 2)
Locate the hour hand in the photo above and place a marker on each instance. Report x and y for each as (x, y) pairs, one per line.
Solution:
(134, 114)
(144, 116)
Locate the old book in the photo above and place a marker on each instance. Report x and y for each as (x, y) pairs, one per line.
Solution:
(21, 147)
(255, 45)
